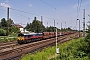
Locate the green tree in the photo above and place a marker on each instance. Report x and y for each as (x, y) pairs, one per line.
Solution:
(50, 29)
(6, 24)
(10, 22)
(86, 44)
(35, 26)
(87, 40)
(14, 29)
(66, 29)
(3, 23)
(28, 27)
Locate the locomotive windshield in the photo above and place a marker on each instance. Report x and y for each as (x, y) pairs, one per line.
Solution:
(20, 35)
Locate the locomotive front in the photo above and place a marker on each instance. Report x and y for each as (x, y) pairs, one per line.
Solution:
(20, 38)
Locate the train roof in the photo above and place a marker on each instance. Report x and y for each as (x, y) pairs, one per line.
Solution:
(29, 33)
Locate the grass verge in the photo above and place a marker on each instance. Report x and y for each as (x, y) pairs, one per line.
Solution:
(68, 51)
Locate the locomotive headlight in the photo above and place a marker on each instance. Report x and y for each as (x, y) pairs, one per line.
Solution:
(20, 38)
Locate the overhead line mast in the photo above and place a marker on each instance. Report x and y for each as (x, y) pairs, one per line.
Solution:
(8, 21)
(41, 24)
(84, 22)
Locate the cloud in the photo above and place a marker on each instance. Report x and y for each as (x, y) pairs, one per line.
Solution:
(4, 5)
(30, 5)
(6, 0)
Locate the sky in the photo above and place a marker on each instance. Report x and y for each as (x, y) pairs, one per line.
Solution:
(62, 11)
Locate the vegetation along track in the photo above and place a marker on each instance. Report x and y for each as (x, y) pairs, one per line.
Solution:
(17, 51)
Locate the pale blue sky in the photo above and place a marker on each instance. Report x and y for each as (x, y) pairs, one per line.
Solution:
(66, 11)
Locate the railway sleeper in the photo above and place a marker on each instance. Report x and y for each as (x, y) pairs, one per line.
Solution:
(6, 52)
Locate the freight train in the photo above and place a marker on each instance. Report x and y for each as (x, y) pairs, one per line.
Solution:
(33, 37)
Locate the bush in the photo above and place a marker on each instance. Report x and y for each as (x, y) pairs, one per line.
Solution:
(68, 51)
(2, 32)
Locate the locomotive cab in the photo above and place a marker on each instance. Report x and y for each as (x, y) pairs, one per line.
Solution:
(20, 38)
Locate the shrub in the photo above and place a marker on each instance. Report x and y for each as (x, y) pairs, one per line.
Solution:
(2, 32)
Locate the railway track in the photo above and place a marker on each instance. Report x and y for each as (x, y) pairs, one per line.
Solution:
(8, 44)
(18, 50)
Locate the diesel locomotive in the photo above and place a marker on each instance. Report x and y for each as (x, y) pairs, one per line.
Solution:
(33, 37)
